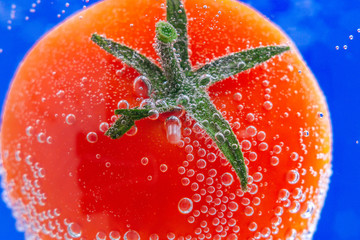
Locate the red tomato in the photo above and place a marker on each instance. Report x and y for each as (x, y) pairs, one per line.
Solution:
(66, 180)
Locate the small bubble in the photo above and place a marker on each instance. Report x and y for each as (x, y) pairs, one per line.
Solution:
(142, 86)
(74, 230)
(237, 97)
(351, 37)
(133, 130)
(292, 176)
(251, 131)
(114, 235)
(337, 47)
(154, 237)
(41, 137)
(294, 156)
(220, 137)
(284, 194)
(307, 209)
(185, 205)
(70, 119)
(233, 206)
(201, 163)
(252, 226)
(227, 179)
(345, 47)
(268, 105)
(294, 207)
(163, 168)
(131, 235)
(144, 161)
(92, 137)
(173, 129)
(103, 127)
(29, 131)
(123, 104)
(249, 211)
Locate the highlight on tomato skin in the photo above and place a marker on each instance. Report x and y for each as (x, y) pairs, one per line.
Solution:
(64, 179)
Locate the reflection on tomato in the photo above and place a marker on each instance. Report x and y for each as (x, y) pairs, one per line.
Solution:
(66, 180)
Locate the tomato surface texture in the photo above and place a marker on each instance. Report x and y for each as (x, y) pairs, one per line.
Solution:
(65, 179)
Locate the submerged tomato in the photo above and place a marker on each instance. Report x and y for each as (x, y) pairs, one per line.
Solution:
(66, 180)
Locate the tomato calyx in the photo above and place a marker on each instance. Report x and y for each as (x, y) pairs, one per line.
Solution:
(176, 84)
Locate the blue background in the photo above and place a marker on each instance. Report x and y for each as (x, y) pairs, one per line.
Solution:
(316, 26)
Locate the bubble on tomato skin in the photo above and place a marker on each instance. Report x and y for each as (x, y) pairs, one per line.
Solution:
(17, 155)
(41, 137)
(70, 119)
(227, 179)
(142, 86)
(104, 126)
(307, 210)
(251, 131)
(92, 137)
(294, 207)
(173, 129)
(123, 104)
(292, 176)
(290, 234)
(163, 167)
(274, 161)
(132, 132)
(154, 237)
(29, 131)
(185, 205)
(250, 117)
(237, 97)
(74, 230)
(49, 140)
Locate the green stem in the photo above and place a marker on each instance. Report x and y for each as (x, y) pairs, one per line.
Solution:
(176, 83)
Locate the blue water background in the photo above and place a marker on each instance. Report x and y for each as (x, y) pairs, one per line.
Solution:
(316, 26)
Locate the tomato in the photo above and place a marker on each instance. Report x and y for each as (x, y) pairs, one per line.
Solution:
(66, 180)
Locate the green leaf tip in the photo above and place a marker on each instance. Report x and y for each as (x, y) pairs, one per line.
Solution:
(165, 32)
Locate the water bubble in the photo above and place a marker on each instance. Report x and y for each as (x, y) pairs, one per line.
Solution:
(204, 80)
(92, 137)
(294, 156)
(345, 47)
(131, 235)
(185, 205)
(227, 179)
(284, 194)
(173, 129)
(154, 114)
(114, 235)
(123, 104)
(100, 236)
(41, 137)
(237, 97)
(261, 136)
(292, 176)
(49, 140)
(252, 226)
(351, 37)
(133, 130)
(263, 146)
(201, 163)
(70, 119)
(142, 86)
(74, 230)
(291, 234)
(163, 167)
(233, 206)
(294, 207)
(29, 131)
(307, 209)
(337, 47)
(268, 105)
(249, 211)
(144, 161)
(219, 137)
(251, 131)
(104, 126)
(154, 237)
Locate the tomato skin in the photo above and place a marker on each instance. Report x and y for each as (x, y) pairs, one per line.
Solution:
(67, 87)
